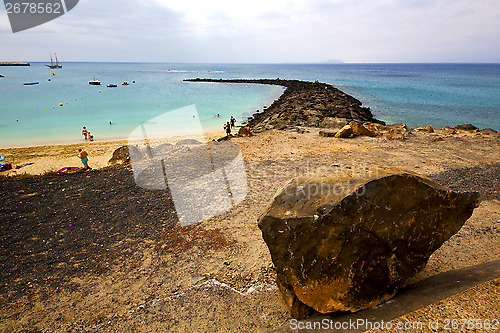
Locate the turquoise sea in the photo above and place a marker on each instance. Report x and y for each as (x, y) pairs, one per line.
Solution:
(416, 94)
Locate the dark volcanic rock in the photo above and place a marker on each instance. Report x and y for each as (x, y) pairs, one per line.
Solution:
(467, 127)
(121, 155)
(244, 131)
(305, 104)
(333, 123)
(489, 131)
(346, 243)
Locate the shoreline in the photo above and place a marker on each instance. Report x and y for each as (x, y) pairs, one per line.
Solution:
(302, 106)
(63, 143)
(49, 158)
(209, 132)
(335, 108)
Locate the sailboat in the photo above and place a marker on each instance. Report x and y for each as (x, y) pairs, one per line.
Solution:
(53, 65)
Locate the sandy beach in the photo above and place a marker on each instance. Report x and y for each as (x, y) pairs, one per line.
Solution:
(125, 265)
(50, 158)
(55, 157)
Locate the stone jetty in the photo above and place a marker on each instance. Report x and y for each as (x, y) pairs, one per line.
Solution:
(9, 63)
(304, 104)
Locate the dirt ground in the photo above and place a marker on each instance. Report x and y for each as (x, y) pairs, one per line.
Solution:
(93, 252)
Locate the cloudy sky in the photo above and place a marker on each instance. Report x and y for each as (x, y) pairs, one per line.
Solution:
(263, 31)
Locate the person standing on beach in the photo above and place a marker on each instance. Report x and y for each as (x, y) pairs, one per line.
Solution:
(83, 155)
(85, 132)
(233, 122)
(227, 127)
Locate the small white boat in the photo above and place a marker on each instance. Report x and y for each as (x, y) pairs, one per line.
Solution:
(95, 82)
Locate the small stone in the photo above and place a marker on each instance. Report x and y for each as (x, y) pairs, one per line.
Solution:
(428, 129)
(197, 280)
(326, 134)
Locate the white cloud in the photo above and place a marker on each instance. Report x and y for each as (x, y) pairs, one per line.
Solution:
(270, 31)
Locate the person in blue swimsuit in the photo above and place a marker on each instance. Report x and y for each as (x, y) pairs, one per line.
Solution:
(83, 155)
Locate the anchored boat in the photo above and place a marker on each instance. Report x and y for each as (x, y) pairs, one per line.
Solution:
(95, 82)
(54, 65)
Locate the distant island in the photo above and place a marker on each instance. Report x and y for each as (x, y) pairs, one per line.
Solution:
(333, 61)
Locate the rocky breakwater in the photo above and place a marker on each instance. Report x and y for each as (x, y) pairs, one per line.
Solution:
(308, 104)
(350, 241)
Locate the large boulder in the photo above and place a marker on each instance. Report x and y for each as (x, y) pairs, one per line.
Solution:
(397, 133)
(244, 131)
(344, 132)
(358, 130)
(350, 241)
(467, 127)
(448, 130)
(429, 129)
(122, 155)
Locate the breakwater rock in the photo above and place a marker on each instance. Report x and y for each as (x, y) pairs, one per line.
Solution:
(311, 104)
(14, 63)
(350, 241)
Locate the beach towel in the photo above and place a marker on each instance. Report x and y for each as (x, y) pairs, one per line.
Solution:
(68, 169)
(23, 165)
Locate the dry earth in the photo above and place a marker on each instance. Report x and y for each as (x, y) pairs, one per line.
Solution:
(217, 276)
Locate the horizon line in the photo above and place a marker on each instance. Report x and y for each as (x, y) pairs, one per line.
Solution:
(264, 63)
